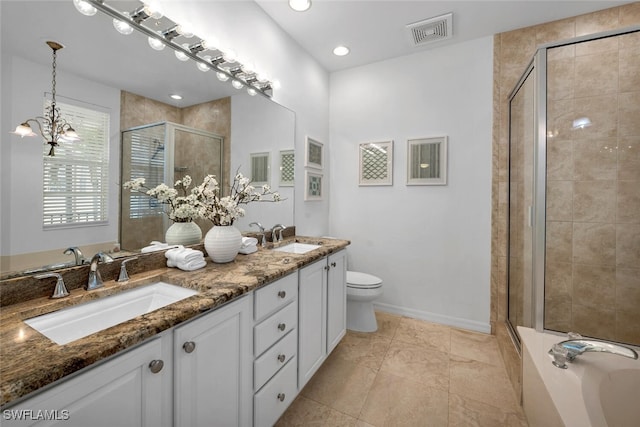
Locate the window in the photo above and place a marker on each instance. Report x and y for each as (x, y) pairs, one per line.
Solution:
(75, 180)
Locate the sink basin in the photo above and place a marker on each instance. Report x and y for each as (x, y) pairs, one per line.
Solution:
(70, 324)
(297, 248)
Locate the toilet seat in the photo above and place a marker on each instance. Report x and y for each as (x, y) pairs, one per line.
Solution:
(358, 280)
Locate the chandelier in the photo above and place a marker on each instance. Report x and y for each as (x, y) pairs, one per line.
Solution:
(52, 126)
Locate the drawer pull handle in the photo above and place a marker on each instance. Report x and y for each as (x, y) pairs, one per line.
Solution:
(281, 358)
(281, 397)
(156, 366)
(333, 264)
(326, 267)
(282, 294)
(189, 346)
(282, 326)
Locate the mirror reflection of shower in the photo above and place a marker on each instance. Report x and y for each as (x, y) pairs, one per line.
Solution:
(162, 153)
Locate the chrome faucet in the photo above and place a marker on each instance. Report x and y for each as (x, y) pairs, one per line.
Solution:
(60, 291)
(124, 276)
(273, 232)
(80, 259)
(95, 280)
(263, 243)
(568, 350)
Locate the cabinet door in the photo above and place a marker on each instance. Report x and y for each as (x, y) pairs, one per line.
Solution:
(312, 332)
(214, 368)
(336, 299)
(120, 392)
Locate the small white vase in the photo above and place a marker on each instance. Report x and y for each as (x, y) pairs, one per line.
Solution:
(183, 233)
(222, 243)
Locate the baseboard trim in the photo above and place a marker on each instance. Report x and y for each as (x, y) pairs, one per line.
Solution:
(457, 322)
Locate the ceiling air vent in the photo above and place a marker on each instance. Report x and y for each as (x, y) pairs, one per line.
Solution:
(431, 30)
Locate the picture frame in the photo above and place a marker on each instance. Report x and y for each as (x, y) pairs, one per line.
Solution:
(313, 186)
(427, 161)
(260, 168)
(287, 168)
(314, 154)
(375, 163)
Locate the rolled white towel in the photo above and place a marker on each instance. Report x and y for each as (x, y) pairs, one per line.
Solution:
(155, 246)
(190, 254)
(182, 255)
(172, 255)
(249, 241)
(246, 250)
(192, 265)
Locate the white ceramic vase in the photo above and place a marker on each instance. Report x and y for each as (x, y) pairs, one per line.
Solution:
(222, 243)
(183, 233)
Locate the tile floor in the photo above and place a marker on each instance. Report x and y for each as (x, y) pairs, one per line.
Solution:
(409, 373)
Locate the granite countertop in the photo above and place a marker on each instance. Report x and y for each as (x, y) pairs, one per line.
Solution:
(29, 360)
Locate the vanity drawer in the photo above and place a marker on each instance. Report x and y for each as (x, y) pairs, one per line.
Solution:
(273, 359)
(274, 398)
(275, 296)
(274, 328)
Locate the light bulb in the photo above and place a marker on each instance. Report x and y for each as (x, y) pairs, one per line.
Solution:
(229, 56)
(341, 51)
(276, 84)
(204, 67)
(24, 130)
(185, 30)
(122, 26)
(84, 7)
(300, 5)
(153, 9)
(181, 55)
(237, 84)
(251, 91)
(222, 76)
(248, 67)
(155, 43)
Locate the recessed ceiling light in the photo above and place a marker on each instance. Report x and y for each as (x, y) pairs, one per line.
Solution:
(341, 51)
(175, 96)
(300, 5)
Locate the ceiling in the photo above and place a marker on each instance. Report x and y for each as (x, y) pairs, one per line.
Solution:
(374, 30)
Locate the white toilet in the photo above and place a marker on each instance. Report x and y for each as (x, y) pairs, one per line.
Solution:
(362, 289)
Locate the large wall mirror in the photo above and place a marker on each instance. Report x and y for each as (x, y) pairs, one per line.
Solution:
(102, 68)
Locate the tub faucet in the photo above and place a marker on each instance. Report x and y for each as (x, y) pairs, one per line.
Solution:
(95, 280)
(273, 232)
(263, 243)
(568, 350)
(77, 253)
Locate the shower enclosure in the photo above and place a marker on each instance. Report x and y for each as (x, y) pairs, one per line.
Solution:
(574, 189)
(162, 153)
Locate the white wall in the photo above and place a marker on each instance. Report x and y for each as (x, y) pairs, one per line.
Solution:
(21, 196)
(429, 244)
(246, 28)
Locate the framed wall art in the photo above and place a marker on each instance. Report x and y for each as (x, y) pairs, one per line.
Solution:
(260, 168)
(376, 163)
(314, 154)
(313, 186)
(287, 168)
(427, 161)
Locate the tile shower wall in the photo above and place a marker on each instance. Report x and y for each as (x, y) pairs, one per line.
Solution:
(593, 189)
(213, 116)
(512, 52)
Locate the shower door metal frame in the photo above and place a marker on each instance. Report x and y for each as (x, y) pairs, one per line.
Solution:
(538, 66)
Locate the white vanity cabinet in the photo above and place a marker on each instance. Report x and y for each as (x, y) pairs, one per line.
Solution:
(322, 312)
(213, 367)
(275, 340)
(137, 384)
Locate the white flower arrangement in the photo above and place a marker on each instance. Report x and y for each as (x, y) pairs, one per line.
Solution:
(204, 200)
(182, 206)
(225, 210)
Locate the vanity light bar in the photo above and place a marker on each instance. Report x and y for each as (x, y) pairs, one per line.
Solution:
(190, 51)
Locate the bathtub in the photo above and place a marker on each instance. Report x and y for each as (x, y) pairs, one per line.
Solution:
(597, 390)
